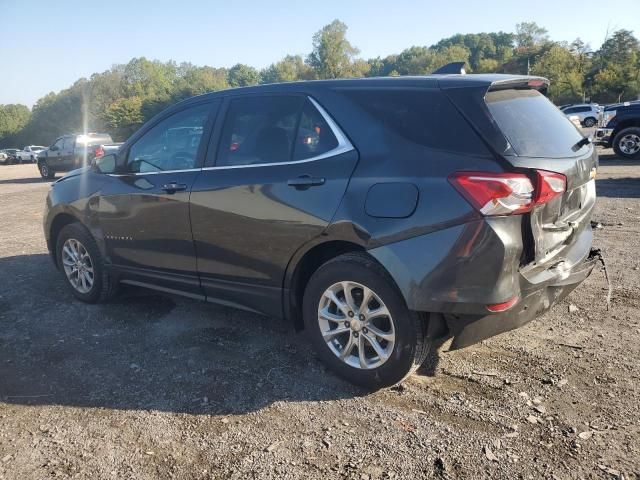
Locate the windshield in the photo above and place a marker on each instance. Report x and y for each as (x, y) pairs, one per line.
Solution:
(532, 124)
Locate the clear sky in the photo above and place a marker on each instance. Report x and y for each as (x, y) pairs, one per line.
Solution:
(45, 45)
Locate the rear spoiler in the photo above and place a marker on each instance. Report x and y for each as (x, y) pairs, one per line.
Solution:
(525, 82)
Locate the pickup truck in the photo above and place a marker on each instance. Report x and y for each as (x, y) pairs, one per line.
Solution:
(29, 153)
(69, 152)
(620, 130)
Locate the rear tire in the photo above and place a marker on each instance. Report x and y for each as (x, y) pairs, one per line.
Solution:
(626, 143)
(75, 246)
(589, 122)
(398, 346)
(45, 171)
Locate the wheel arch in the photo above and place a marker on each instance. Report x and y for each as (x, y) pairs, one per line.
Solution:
(60, 221)
(631, 122)
(300, 269)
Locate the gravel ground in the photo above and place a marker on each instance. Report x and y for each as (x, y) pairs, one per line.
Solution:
(151, 386)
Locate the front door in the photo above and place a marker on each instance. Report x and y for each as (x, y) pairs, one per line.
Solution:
(281, 169)
(144, 212)
(67, 155)
(54, 155)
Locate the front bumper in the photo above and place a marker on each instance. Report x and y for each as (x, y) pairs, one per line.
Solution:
(603, 136)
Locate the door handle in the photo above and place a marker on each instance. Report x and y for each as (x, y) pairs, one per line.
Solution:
(305, 181)
(173, 187)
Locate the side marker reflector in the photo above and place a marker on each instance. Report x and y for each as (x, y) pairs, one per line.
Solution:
(502, 307)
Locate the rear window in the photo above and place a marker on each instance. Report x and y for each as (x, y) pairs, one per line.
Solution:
(424, 117)
(532, 124)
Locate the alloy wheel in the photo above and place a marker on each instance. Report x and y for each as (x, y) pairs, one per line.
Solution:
(630, 144)
(356, 325)
(77, 265)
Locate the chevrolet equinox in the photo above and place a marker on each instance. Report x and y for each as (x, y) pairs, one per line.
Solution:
(380, 215)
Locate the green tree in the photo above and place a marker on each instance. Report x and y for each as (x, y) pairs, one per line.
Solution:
(241, 75)
(616, 74)
(414, 61)
(564, 66)
(13, 118)
(332, 55)
(289, 69)
(198, 80)
(530, 36)
(124, 116)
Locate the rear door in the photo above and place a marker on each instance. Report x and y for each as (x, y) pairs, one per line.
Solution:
(276, 173)
(144, 212)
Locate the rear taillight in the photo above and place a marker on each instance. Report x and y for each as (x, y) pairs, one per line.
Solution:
(549, 186)
(507, 193)
(495, 193)
(99, 152)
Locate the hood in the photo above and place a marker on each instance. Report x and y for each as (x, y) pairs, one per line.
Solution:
(73, 173)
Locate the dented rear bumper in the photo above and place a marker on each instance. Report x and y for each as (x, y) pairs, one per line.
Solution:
(460, 271)
(470, 329)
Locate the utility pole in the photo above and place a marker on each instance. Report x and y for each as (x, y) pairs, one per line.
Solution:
(528, 66)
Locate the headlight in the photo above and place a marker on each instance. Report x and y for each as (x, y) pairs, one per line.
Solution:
(608, 116)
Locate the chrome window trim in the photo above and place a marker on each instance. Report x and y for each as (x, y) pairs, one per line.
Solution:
(132, 174)
(344, 145)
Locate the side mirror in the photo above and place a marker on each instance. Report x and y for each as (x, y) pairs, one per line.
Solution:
(106, 164)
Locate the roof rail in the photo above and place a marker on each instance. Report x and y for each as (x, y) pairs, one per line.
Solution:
(451, 68)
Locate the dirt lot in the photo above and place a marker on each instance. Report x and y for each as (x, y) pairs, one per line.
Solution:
(152, 386)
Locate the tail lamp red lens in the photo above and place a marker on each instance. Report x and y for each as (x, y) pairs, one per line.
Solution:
(502, 307)
(99, 152)
(508, 193)
(549, 186)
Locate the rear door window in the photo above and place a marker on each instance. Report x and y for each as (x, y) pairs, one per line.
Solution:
(424, 117)
(532, 124)
(270, 129)
(314, 135)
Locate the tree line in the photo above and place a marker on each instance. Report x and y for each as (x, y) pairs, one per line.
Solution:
(122, 98)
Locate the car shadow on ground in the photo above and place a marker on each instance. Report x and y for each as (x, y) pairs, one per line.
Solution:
(610, 159)
(147, 351)
(23, 181)
(622, 187)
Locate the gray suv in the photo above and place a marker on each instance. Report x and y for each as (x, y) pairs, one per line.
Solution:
(380, 215)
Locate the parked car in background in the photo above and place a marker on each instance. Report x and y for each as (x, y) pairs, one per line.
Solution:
(382, 215)
(588, 113)
(69, 152)
(620, 129)
(30, 153)
(11, 156)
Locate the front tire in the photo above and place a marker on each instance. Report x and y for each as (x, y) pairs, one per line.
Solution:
(589, 122)
(45, 171)
(359, 324)
(81, 263)
(626, 143)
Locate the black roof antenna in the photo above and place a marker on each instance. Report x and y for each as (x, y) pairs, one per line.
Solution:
(451, 68)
